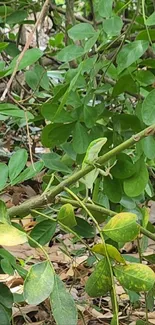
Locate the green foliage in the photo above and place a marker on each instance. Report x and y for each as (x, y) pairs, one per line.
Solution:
(84, 229)
(66, 216)
(122, 227)
(85, 97)
(14, 170)
(111, 250)
(130, 53)
(11, 236)
(99, 282)
(135, 277)
(43, 275)
(81, 31)
(62, 301)
(4, 175)
(43, 232)
(148, 108)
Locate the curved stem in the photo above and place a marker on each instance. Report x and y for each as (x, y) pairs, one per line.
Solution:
(42, 249)
(144, 17)
(65, 228)
(106, 253)
(141, 258)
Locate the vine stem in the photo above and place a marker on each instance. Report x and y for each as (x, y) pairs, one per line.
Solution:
(42, 249)
(144, 17)
(40, 200)
(27, 44)
(107, 212)
(66, 228)
(115, 307)
(141, 259)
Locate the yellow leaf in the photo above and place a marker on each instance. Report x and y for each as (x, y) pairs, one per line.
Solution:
(111, 250)
(11, 236)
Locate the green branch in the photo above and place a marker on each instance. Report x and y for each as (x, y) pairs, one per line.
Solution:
(45, 199)
(92, 207)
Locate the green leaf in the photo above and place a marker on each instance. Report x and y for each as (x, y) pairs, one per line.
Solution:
(113, 26)
(18, 113)
(130, 53)
(80, 138)
(62, 304)
(37, 77)
(105, 8)
(136, 277)
(42, 76)
(7, 267)
(32, 79)
(30, 57)
(16, 17)
(11, 236)
(150, 258)
(3, 46)
(8, 106)
(4, 217)
(7, 256)
(136, 184)
(6, 297)
(5, 317)
(81, 31)
(66, 215)
(4, 175)
(29, 172)
(148, 104)
(133, 296)
(69, 53)
(48, 110)
(90, 43)
(111, 250)
(55, 134)
(99, 282)
(149, 147)
(52, 162)
(84, 229)
(145, 77)
(122, 227)
(91, 155)
(13, 110)
(113, 189)
(141, 322)
(125, 84)
(39, 283)
(150, 21)
(150, 299)
(43, 232)
(90, 115)
(124, 167)
(15, 168)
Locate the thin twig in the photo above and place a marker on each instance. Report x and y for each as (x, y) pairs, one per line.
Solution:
(28, 42)
(27, 129)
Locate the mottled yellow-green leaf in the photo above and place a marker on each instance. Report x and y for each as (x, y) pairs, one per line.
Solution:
(11, 236)
(122, 227)
(136, 277)
(39, 283)
(99, 282)
(111, 250)
(66, 215)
